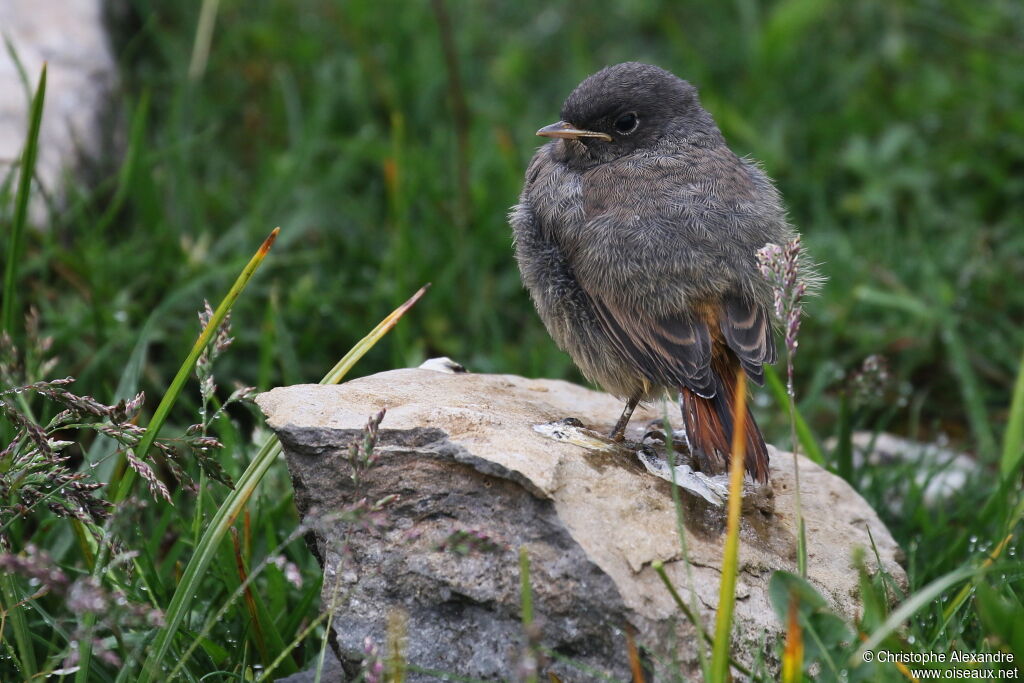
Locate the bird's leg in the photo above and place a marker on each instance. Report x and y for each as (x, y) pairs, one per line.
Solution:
(618, 433)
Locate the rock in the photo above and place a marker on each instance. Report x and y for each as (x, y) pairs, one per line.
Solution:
(69, 36)
(442, 364)
(939, 471)
(469, 468)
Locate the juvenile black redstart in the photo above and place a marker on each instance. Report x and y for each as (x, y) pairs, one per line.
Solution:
(636, 235)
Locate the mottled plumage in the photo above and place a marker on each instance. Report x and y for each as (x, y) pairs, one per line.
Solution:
(636, 235)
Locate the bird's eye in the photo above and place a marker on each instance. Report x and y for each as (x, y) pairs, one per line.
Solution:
(627, 123)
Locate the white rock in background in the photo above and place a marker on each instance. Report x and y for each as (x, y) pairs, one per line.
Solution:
(940, 471)
(70, 36)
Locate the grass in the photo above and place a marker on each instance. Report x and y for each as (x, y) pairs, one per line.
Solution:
(731, 549)
(27, 166)
(388, 139)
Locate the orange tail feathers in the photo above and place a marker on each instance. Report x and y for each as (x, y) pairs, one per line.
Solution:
(709, 423)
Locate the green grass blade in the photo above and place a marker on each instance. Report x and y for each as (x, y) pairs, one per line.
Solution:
(526, 607)
(286, 652)
(965, 592)
(366, 343)
(128, 383)
(178, 383)
(136, 144)
(19, 66)
(22, 636)
(19, 625)
(1013, 440)
(730, 555)
(122, 488)
(659, 567)
(235, 502)
(28, 165)
(263, 630)
(803, 431)
(525, 594)
(205, 552)
(915, 602)
(895, 301)
(203, 39)
(970, 389)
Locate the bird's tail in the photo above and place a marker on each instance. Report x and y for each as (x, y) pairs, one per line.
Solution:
(709, 425)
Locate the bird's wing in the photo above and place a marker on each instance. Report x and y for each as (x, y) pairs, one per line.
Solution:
(748, 333)
(676, 350)
(670, 351)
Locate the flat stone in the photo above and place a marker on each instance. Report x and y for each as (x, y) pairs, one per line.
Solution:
(462, 453)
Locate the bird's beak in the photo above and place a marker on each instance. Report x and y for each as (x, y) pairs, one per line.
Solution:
(564, 129)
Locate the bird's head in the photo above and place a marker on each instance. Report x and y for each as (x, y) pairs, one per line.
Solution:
(629, 107)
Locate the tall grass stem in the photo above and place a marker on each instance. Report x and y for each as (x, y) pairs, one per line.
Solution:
(170, 397)
(225, 516)
(25, 175)
(730, 556)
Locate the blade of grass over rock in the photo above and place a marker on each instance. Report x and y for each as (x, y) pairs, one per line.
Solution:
(730, 556)
(206, 550)
(526, 607)
(1013, 441)
(342, 367)
(635, 667)
(793, 652)
(334, 600)
(803, 431)
(27, 169)
(659, 568)
(677, 503)
(178, 383)
(395, 666)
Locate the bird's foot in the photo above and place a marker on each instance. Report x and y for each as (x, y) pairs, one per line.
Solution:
(618, 435)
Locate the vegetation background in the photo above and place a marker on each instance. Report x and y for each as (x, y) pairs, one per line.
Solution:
(894, 130)
(389, 138)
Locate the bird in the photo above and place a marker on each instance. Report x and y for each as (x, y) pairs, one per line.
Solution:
(636, 235)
